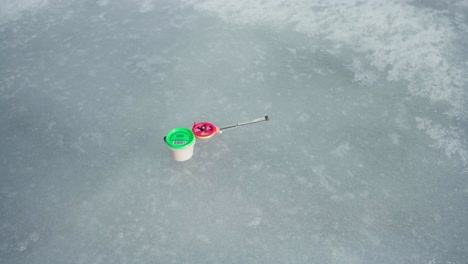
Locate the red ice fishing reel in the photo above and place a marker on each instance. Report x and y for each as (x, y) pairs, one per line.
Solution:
(204, 130)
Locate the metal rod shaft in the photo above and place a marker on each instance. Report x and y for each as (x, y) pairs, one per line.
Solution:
(265, 118)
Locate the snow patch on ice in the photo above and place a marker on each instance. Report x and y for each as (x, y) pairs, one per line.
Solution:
(25, 244)
(341, 150)
(365, 77)
(325, 180)
(449, 139)
(146, 6)
(255, 222)
(407, 43)
(12, 9)
(304, 117)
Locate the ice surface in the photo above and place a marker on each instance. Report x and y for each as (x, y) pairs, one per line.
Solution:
(364, 160)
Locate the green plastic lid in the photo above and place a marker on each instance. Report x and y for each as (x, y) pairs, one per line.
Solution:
(179, 138)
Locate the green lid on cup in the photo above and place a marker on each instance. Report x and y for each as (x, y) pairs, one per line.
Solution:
(179, 138)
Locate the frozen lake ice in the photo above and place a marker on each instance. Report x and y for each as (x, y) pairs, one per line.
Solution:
(364, 160)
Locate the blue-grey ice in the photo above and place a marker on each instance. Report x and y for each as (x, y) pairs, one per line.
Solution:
(364, 160)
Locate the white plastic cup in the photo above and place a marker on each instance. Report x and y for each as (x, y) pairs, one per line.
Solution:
(181, 142)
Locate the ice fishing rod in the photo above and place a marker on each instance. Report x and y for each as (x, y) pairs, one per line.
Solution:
(181, 140)
(205, 130)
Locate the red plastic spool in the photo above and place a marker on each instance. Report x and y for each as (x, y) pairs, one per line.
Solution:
(204, 130)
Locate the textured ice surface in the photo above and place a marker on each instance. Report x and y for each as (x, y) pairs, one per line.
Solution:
(365, 159)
